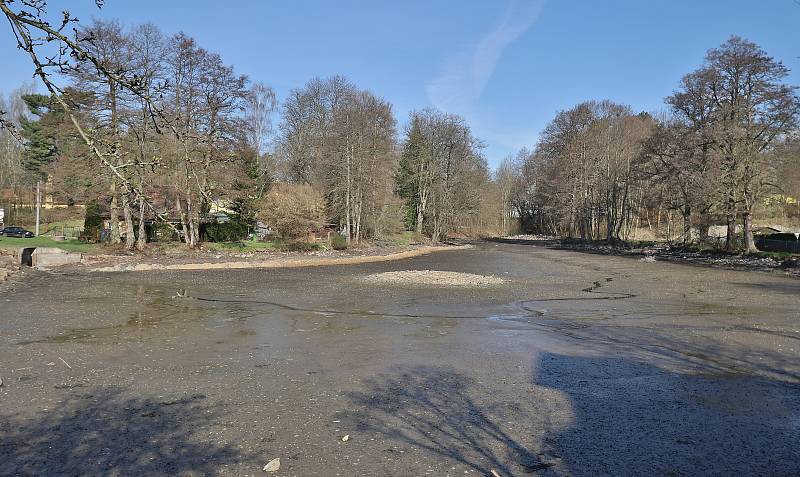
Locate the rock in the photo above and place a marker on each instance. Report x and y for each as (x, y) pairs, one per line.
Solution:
(1, 381)
(273, 465)
(346, 438)
(648, 259)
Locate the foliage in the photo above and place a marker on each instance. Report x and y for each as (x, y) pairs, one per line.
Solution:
(41, 144)
(164, 128)
(391, 218)
(231, 231)
(340, 139)
(159, 232)
(739, 106)
(50, 134)
(338, 242)
(292, 210)
(238, 224)
(601, 171)
(440, 170)
(93, 220)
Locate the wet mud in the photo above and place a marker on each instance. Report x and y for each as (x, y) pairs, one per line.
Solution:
(576, 364)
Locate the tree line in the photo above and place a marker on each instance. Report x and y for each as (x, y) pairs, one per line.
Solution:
(727, 142)
(157, 127)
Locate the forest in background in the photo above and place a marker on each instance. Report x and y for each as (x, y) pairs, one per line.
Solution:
(149, 126)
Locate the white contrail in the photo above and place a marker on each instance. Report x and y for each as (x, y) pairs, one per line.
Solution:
(464, 76)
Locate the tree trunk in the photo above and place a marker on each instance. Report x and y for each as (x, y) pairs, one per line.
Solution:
(730, 234)
(749, 243)
(687, 223)
(192, 222)
(142, 239)
(130, 240)
(348, 211)
(184, 221)
(421, 212)
(114, 237)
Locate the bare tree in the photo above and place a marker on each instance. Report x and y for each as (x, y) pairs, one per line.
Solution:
(340, 139)
(51, 51)
(738, 100)
(261, 105)
(504, 177)
(440, 170)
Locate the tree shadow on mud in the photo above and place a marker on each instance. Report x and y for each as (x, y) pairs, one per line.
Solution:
(107, 433)
(632, 418)
(435, 409)
(584, 416)
(789, 288)
(710, 355)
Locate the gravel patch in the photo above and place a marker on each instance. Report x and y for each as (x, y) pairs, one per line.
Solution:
(434, 278)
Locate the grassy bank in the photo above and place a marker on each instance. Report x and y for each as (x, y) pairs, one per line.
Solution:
(12, 243)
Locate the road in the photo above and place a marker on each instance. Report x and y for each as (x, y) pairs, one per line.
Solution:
(578, 364)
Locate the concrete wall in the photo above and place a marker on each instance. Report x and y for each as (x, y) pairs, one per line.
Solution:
(45, 257)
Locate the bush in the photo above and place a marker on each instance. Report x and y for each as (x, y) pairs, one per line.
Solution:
(160, 232)
(232, 231)
(338, 242)
(292, 210)
(391, 219)
(93, 221)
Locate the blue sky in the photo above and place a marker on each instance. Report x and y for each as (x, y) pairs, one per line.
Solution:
(507, 65)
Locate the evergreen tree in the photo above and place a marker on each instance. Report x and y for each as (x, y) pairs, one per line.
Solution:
(406, 178)
(40, 138)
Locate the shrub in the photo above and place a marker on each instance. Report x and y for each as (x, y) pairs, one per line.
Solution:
(93, 220)
(232, 231)
(391, 220)
(292, 210)
(160, 232)
(338, 242)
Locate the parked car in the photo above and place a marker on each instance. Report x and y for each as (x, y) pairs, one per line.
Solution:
(17, 232)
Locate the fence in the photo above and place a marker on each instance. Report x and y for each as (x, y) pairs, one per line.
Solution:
(67, 231)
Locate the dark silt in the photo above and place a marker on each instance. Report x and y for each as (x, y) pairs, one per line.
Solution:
(578, 364)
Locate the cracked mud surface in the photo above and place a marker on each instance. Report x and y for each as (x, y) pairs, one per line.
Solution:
(577, 364)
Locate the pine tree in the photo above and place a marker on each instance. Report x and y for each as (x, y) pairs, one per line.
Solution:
(40, 138)
(406, 178)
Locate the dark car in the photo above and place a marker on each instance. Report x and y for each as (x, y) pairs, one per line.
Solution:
(16, 232)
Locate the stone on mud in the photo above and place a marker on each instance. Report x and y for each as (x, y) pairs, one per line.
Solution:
(273, 466)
